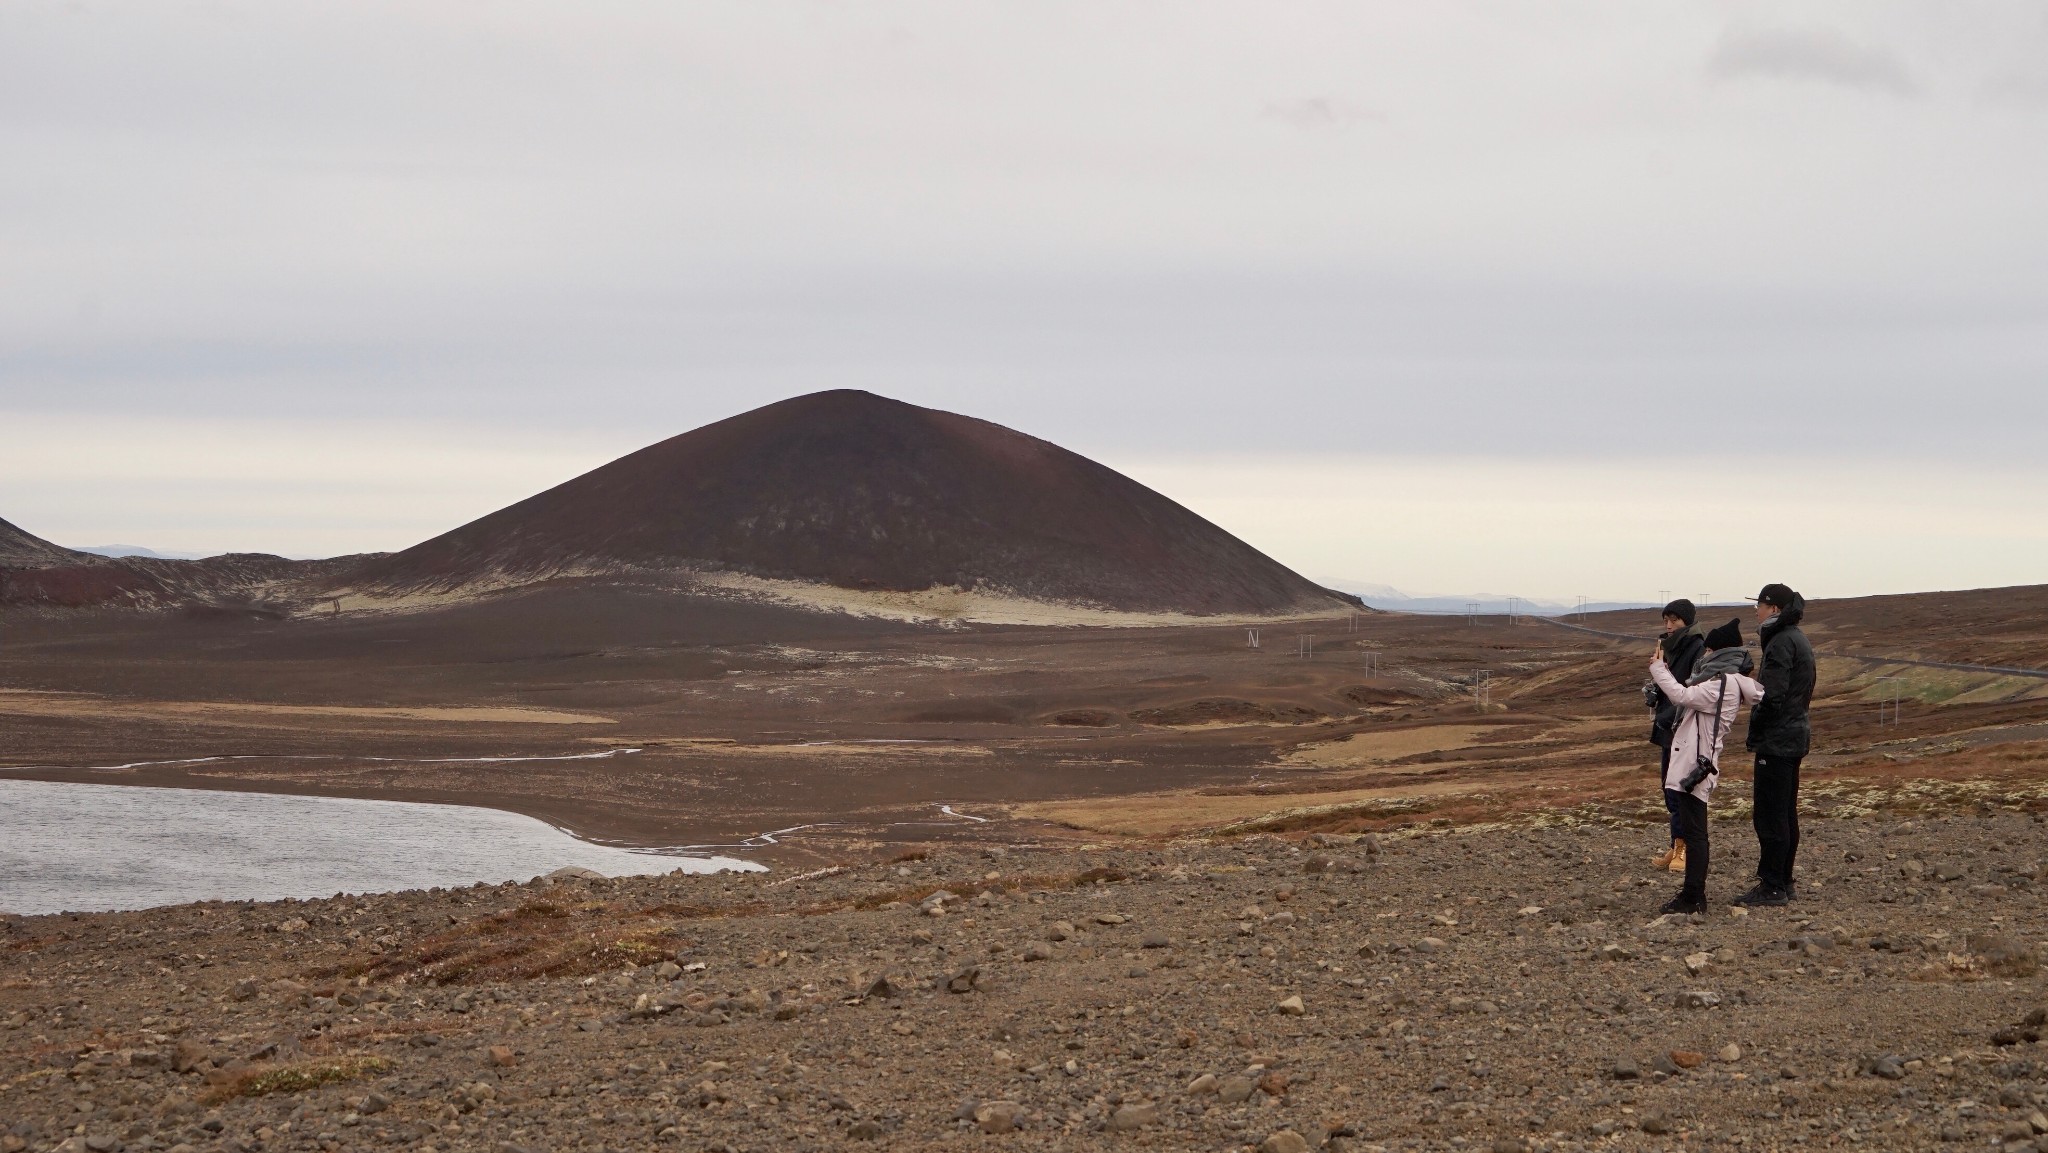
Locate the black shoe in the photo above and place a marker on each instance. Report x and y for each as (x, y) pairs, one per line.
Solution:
(1765, 896)
(1683, 904)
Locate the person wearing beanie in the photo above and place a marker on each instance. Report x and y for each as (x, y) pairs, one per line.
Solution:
(1681, 647)
(1779, 734)
(1708, 702)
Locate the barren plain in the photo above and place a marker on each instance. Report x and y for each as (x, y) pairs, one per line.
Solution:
(1141, 845)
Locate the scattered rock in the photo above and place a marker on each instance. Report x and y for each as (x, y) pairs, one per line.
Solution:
(1130, 1117)
(1284, 1141)
(1696, 999)
(1292, 1007)
(1059, 931)
(1625, 1069)
(1236, 1090)
(187, 1056)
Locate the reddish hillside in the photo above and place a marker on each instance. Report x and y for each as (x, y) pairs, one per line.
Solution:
(854, 490)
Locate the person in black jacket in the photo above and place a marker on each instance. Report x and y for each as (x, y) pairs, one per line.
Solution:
(1779, 735)
(1680, 649)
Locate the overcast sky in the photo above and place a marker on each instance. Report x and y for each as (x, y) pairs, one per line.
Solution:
(1551, 299)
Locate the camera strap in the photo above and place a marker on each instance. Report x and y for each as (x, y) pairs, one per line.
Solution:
(1699, 754)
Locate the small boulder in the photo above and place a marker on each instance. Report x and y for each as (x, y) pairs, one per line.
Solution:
(1236, 1090)
(997, 1116)
(1131, 1117)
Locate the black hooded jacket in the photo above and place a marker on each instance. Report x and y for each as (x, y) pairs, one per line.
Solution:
(1681, 654)
(1779, 727)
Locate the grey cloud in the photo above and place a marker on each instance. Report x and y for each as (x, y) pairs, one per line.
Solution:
(1821, 54)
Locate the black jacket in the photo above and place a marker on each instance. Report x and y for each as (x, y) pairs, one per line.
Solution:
(1681, 655)
(1779, 726)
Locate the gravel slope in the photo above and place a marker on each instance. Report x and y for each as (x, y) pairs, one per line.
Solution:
(1500, 988)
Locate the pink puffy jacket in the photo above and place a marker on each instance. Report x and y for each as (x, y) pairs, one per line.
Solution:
(1696, 715)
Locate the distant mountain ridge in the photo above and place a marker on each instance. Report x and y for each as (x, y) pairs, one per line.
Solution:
(118, 551)
(1392, 599)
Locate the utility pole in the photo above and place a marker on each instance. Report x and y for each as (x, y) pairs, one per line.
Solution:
(1888, 700)
(1251, 638)
(1471, 612)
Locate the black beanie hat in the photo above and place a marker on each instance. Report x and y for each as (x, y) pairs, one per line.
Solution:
(1683, 610)
(1777, 596)
(1728, 636)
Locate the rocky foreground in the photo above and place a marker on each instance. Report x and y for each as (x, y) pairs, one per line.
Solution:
(1509, 988)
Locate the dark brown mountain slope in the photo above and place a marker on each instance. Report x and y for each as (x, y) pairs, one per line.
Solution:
(857, 491)
(22, 549)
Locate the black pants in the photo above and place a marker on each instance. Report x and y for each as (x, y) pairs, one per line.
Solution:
(1777, 819)
(1691, 813)
(1670, 805)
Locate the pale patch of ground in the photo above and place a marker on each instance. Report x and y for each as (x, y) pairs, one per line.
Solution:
(1379, 747)
(940, 606)
(943, 605)
(729, 748)
(1168, 814)
(30, 703)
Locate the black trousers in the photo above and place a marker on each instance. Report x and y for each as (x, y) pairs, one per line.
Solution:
(1776, 817)
(1670, 805)
(1691, 814)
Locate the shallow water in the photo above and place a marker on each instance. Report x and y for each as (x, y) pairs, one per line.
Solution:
(77, 847)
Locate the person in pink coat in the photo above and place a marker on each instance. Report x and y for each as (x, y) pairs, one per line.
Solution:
(1708, 703)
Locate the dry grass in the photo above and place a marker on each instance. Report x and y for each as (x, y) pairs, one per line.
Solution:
(296, 1077)
(548, 939)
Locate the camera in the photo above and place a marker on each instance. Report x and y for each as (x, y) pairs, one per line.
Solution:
(1702, 769)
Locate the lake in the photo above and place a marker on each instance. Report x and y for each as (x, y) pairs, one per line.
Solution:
(81, 847)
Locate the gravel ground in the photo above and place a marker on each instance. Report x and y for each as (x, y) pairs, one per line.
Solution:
(1481, 988)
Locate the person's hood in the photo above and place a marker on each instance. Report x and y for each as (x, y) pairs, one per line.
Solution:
(1721, 661)
(1788, 617)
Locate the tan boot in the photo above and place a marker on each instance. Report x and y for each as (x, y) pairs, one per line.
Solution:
(1677, 862)
(1663, 860)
